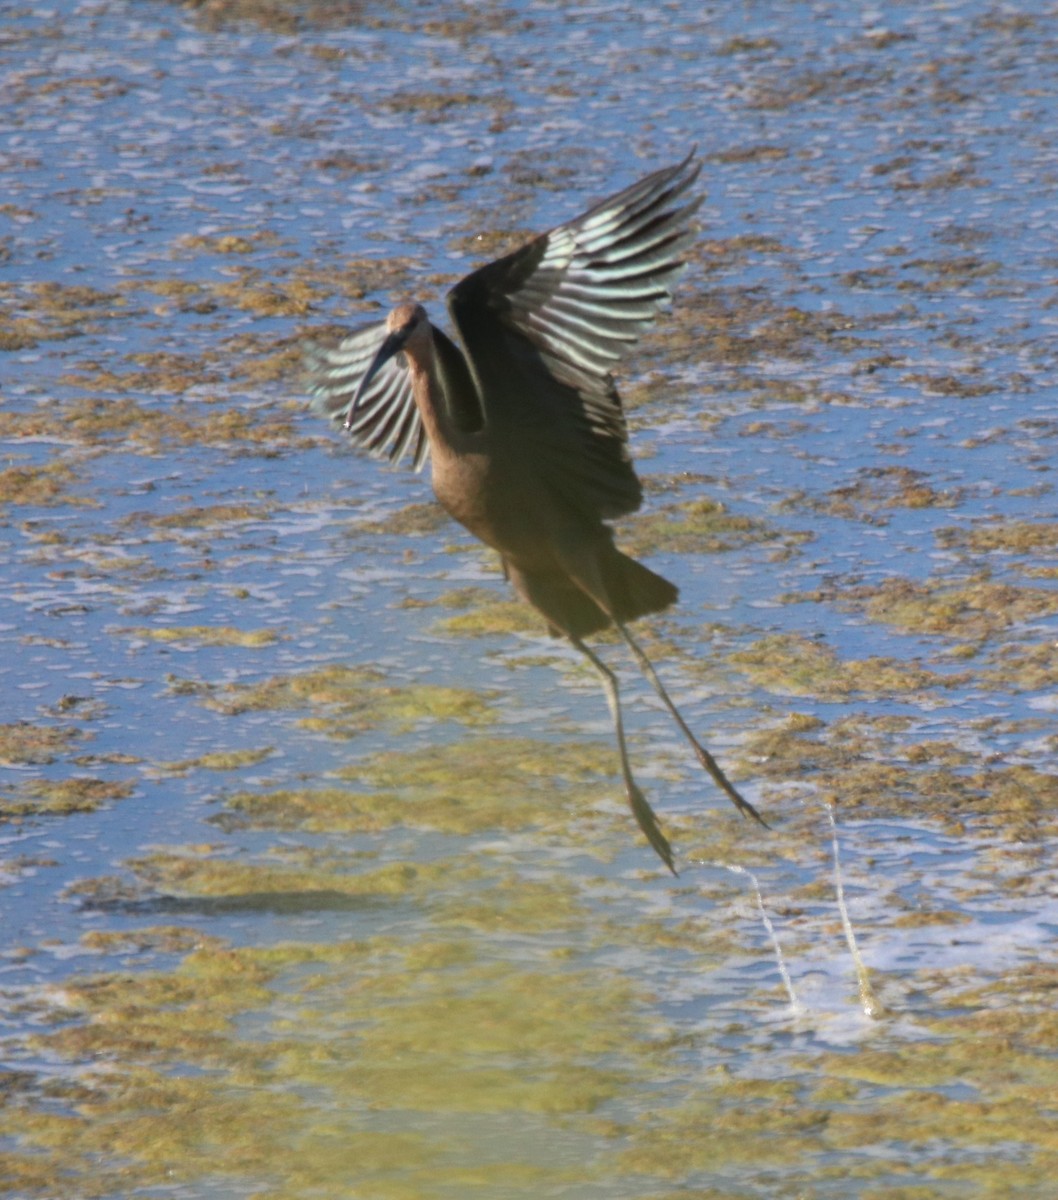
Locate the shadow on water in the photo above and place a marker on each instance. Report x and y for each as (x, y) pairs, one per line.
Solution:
(292, 903)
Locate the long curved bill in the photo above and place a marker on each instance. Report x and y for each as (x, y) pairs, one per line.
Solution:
(392, 346)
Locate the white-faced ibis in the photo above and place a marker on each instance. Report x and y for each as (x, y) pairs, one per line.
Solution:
(523, 422)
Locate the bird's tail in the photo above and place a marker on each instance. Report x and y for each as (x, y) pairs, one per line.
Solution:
(632, 590)
(635, 590)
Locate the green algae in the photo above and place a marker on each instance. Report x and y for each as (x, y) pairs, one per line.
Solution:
(527, 760)
(1011, 537)
(277, 16)
(805, 86)
(316, 810)
(161, 372)
(44, 486)
(39, 797)
(479, 785)
(487, 614)
(24, 743)
(488, 783)
(433, 106)
(977, 608)
(24, 333)
(154, 939)
(774, 1128)
(878, 490)
(52, 311)
(228, 243)
(357, 699)
(212, 875)
(221, 760)
(149, 430)
(202, 516)
(515, 906)
(497, 1024)
(700, 526)
(1019, 666)
(412, 519)
(350, 1039)
(253, 290)
(739, 326)
(861, 765)
(974, 609)
(799, 666)
(984, 1079)
(344, 1032)
(204, 635)
(977, 1082)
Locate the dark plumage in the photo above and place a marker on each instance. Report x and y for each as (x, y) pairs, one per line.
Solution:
(523, 422)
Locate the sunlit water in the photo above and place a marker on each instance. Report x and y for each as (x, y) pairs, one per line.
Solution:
(308, 892)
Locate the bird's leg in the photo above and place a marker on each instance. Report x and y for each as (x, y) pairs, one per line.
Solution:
(704, 757)
(641, 810)
(585, 571)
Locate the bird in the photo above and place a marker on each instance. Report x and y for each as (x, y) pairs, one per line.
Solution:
(523, 424)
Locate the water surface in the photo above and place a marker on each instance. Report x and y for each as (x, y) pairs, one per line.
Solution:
(317, 875)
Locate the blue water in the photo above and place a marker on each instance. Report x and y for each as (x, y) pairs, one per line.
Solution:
(901, 142)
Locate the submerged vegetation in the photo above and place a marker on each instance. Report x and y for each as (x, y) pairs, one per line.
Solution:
(317, 875)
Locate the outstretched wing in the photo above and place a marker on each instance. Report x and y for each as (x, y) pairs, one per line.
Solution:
(386, 423)
(544, 326)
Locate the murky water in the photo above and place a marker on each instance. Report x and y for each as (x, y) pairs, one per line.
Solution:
(317, 877)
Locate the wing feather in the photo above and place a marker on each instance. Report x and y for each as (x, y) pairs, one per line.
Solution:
(387, 423)
(545, 326)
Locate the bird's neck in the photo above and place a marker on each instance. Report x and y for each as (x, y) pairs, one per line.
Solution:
(429, 395)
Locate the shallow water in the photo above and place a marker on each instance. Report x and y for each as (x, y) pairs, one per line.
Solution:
(317, 875)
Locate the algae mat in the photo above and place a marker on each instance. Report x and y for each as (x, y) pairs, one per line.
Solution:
(317, 876)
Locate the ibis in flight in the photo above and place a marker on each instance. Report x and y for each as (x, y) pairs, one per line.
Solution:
(522, 423)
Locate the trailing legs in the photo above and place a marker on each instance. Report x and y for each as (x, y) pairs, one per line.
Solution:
(641, 810)
(716, 772)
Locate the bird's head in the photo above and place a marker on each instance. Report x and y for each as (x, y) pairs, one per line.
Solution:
(405, 319)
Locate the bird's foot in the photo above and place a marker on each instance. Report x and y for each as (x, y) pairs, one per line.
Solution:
(716, 773)
(648, 822)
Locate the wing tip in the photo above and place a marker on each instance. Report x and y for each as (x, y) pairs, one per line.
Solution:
(389, 427)
(325, 399)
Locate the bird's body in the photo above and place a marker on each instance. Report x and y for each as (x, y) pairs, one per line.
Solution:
(546, 545)
(523, 424)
